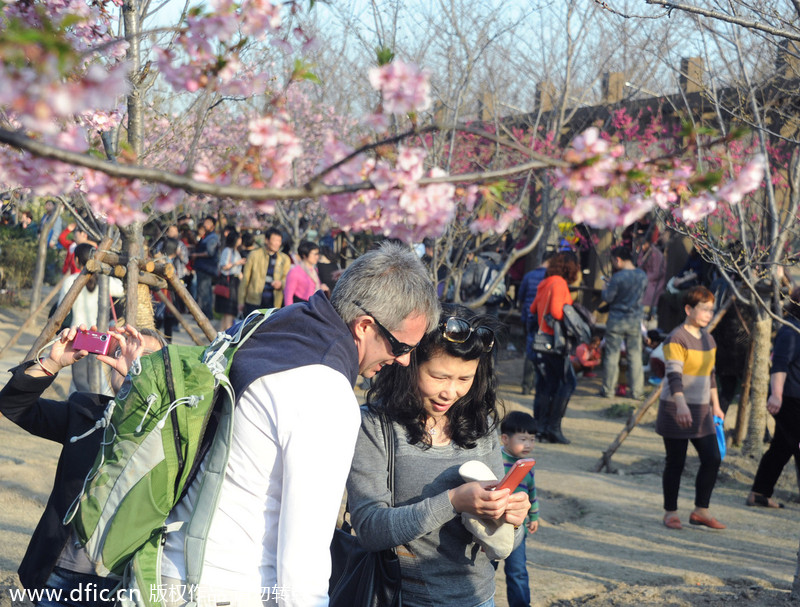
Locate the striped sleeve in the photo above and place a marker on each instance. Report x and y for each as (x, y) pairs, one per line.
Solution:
(674, 358)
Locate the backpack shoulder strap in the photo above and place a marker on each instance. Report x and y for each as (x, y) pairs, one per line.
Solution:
(216, 458)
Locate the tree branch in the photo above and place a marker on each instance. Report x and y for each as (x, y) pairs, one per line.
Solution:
(310, 190)
(753, 25)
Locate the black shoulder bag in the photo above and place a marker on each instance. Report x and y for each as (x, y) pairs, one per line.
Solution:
(545, 343)
(360, 578)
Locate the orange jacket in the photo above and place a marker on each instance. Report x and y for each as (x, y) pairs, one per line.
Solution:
(555, 290)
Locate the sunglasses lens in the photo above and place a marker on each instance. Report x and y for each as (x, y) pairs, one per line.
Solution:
(457, 330)
(401, 349)
(486, 336)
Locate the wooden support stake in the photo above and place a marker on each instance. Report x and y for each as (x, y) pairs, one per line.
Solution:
(635, 417)
(65, 306)
(743, 411)
(50, 297)
(191, 305)
(181, 318)
(152, 281)
(98, 267)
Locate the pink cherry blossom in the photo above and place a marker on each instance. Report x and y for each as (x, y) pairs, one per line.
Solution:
(594, 210)
(404, 87)
(119, 201)
(695, 209)
(378, 123)
(259, 17)
(750, 177)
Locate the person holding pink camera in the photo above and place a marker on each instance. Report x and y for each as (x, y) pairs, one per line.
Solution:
(85, 312)
(52, 560)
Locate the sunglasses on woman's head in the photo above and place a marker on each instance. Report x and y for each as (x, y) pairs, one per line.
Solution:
(458, 331)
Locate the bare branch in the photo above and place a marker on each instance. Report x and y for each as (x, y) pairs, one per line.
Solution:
(753, 25)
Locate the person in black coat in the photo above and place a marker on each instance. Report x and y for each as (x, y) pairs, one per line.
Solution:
(784, 405)
(51, 560)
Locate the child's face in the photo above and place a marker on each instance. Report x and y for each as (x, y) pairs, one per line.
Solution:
(519, 444)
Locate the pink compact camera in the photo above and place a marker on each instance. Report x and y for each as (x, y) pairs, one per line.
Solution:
(93, 342)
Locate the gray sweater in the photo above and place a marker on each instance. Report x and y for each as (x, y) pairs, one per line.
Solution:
(440, 562)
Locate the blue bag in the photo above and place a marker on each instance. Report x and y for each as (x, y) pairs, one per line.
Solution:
(719, 426)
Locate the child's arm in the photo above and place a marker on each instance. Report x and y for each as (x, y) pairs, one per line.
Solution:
(533, 513)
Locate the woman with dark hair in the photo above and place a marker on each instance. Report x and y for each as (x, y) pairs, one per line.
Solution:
(302, 281)
(555, 377)
(784, 404)
(230, 275)
(442, 412)
(689, 402)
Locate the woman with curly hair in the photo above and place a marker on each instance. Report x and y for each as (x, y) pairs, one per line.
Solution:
(555, 377)
(442, 412)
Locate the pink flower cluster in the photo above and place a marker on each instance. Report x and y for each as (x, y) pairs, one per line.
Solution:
(749, 179)
(278, 145)
(496, 224)
(42, 101)
(196, 65)
(609, 191)
(398, 207)
(118, 201)
(403, 86)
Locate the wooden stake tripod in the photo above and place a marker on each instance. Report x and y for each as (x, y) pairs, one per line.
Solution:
(154, 275)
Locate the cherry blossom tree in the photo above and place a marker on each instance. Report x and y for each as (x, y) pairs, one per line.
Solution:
(67, 75)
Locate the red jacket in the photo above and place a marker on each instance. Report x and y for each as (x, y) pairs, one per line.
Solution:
(554, 291)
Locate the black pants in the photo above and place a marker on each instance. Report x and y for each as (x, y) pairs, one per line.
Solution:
(784, 444)
(708, 451)
(555, 383)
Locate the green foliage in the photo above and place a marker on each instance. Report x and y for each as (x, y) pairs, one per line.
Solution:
(708, 180)
(19, 43)
(302, 71)
(17, 257)
(619, 410)
(384, 55)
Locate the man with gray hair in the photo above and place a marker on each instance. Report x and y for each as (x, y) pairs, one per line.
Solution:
(295, 427)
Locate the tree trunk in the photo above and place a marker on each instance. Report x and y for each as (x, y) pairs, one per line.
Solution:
(743, 412)
(95, 366)
(41, 258)
(796, 582)
(762, 338)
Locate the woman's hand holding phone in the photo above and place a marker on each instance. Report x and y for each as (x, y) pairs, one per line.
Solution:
(480, 499)
(517, 510)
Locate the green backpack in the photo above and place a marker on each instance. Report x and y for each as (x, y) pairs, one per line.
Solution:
(152, 432)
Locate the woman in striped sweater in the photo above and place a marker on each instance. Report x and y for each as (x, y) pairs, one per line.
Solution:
(687, 408)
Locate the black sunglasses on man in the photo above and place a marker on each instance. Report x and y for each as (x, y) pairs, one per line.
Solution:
(397, 347)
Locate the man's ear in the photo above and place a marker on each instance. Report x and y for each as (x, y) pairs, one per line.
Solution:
(360, 325)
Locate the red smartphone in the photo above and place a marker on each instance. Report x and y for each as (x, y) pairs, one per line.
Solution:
(93, 342)
(515, 474)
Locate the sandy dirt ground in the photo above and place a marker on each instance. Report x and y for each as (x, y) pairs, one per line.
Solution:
(601, 541)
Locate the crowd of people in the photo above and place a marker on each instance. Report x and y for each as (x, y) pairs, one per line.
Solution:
(231, 271)
(432, 396)
(645, 304)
